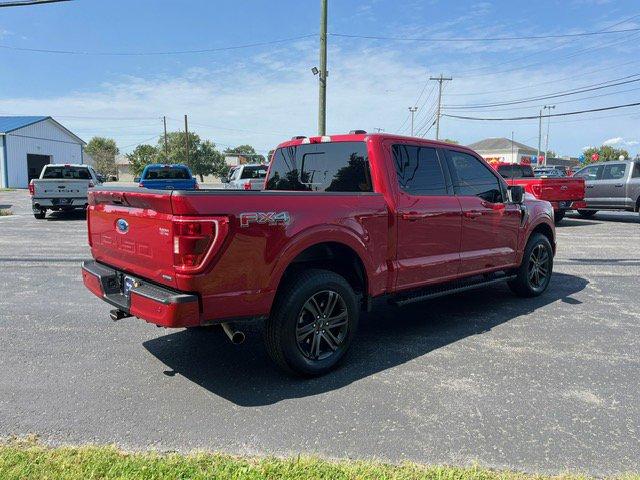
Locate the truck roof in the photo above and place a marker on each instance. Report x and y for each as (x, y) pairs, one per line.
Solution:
(363, 137)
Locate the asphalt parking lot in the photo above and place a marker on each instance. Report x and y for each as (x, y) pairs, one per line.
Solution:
(547, 384)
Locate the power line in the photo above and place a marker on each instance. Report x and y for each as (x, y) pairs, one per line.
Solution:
(158, 53)
(614, 107)
(562, 93)
(484, 39)
(23, 3)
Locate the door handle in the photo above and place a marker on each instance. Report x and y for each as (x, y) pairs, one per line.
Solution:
(589, 186)
(411, 216)
(472, 214)
(619, 185)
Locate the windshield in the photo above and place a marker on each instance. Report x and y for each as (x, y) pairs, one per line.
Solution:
(167, 173)
(72, 173)
(259, 171)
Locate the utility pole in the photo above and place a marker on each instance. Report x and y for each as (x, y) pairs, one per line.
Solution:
(166, 147)
(546, 148)
(322, 76)
(539, 135)
(378, 129)
(439, 79)
(186, 139)
(413, 110)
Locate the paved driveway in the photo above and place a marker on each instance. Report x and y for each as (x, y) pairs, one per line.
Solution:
(545, 385)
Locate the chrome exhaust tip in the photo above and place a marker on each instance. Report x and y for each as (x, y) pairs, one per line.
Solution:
(117, 314)
(236, 336)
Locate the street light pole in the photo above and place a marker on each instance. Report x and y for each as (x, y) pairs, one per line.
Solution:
(539, 135)
(322, 75)
(413, 110)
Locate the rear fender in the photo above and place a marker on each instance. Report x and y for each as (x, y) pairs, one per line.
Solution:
(322, 234)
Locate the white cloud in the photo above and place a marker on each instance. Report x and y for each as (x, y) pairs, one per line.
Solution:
(620, 141)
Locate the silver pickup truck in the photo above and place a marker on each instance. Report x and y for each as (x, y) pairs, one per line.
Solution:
(611, 185)
(62, 187)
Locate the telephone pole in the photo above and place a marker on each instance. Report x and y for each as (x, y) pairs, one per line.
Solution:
(413, 111)
(439, 79)
(546, 148)
(166, 147)
(186, 139)
(322, 74)
(539, 135)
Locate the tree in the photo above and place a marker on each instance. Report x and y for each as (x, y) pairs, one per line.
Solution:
(248, 151)
(605, 152)
(142, 156)
(448, 140)
(103, 151)
(551, 154)
(203, 159)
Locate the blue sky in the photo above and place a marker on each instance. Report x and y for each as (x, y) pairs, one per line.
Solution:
(265, 94)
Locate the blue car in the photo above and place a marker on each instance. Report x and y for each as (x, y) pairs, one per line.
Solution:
(167, 177)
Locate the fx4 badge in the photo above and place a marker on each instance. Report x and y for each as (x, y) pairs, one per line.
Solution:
(262, 218)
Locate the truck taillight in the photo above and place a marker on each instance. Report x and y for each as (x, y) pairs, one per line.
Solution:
(196, 241)
(247, 186)
(32, 188)
(536, 190)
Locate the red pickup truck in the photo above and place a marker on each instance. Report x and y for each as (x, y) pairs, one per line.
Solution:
(342, 220)
(564, 193)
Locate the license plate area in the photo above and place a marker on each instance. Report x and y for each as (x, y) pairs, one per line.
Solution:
(61, 201)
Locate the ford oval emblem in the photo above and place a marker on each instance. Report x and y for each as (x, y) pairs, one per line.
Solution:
(122, 225)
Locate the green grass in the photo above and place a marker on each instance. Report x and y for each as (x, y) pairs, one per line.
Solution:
(5, 213)
(27, 459)
(7, 189)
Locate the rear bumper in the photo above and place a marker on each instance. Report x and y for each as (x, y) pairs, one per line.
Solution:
(62, 202)
(568, 205)
(154, 304)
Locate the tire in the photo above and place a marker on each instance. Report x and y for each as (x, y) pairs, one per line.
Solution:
(528, 283)
(296, 341)
(587, 213)
(558, 216)
(40, 214)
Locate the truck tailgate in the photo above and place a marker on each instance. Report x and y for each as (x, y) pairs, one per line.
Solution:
(560, 189)
(59, 188)
(133, 231)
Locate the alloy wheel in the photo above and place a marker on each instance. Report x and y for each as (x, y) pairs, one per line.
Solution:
(539, 267)
(322, 325)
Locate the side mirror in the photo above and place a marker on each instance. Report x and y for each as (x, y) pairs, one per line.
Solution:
(137, 179)
(224, 180)
(517, 194)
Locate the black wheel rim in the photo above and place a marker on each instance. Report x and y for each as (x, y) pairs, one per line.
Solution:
(322, 326)
(539, 268)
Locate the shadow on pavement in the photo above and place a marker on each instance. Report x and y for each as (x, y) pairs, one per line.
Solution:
(605, 216)
(71, 215)
(387, 337)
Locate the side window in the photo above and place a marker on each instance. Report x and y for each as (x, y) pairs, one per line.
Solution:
(588, 173)
(636, 170)
(473, 178)
(614, 172)
(419, 170)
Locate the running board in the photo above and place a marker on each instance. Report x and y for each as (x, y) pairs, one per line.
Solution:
(449, 288)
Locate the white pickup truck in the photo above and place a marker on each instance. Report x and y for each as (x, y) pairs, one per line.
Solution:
(62, 187)
(246, 177)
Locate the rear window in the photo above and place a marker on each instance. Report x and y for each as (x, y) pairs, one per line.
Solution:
(73, 173)
(254, 172)
(167, 173)
(321, 167)
(515, 171)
